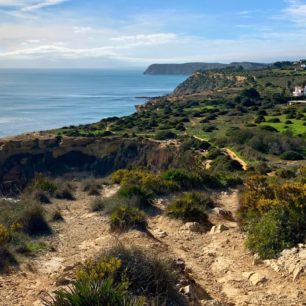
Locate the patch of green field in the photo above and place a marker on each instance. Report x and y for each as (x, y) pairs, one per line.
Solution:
(297, 127)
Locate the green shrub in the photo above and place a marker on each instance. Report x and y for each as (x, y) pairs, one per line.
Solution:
(102, 293)
(56, 216)
(6, 259)
(28, 215)
(274, 120)
(225, 164)
(270, 235)
(125, 218)
(65, 192)
(91, 186)
(188, 179)
(268, 128)
(124, 277)
(40, 196)
(286, 173)
(142, 184)
(274, 214)
(165, 135)
(42, 183)
(149, 275)
(292, 155)
(214, 153)
(191, 207)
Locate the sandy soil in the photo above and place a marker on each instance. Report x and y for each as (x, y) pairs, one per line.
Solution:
(218, 262)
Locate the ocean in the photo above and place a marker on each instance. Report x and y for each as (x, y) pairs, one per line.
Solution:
(34, 100)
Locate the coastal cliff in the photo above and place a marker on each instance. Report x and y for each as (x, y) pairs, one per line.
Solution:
(21, 158)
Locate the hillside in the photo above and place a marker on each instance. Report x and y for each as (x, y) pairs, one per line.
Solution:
(189, 68)
(198, 198)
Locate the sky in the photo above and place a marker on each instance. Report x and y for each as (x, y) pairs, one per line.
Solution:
(136, 33)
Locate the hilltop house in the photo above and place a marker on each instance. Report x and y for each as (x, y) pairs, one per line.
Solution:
(299, 91)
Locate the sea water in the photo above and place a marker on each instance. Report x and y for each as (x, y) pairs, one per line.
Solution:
(34, 100)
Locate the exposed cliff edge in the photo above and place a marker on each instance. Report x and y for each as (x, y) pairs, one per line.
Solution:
(189, 68)
(21, 158)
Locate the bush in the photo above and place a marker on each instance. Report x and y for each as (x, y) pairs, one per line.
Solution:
(42, 183)
(268, 128)
(191, 207)
(124, 277)
(56, 215)
(187, 179)
(270, 235)
(6, 259)
(141, 184)
(64, 192)
(274, 214)
(125, 218)
(274, 120)
(225, 164)
(165, 135)
(40, 196)
(91, 186)
(28, 216)
(97, 204)
(214, 153)
(292, 155)
(149, 276)
(94, 293)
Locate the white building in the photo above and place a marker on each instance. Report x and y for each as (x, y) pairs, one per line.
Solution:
(299, 91)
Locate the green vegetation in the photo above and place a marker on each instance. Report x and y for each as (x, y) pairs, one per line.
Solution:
(21, 223)
(274, 214)
(121, 276)
(125, 218)
(191, 207)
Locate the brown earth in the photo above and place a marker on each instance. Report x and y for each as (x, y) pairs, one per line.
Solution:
(218, 262)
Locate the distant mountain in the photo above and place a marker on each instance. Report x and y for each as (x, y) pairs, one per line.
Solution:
(190, 68)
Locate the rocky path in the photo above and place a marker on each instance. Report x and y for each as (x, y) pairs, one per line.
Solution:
(217, 261)
(220, 263)
(80, 236)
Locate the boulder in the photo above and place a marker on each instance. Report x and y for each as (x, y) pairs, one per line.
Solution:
(217, 229)
(257, 278)
(193, 227)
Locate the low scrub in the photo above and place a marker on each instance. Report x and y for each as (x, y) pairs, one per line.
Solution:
(191, 207)
(91, 187)
(126, 218)
(274, 214)
(28, 216)
(124, 277)
(187, 179)
(142, 184)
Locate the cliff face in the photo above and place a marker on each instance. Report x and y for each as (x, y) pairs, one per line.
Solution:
(190, 68)
(20, 159)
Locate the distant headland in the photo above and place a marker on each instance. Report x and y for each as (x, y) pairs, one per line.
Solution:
(189, 68)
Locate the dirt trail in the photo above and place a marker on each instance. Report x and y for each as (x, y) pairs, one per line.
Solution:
(81, 236)
(221, 264)
(218, 262)
(230, 153)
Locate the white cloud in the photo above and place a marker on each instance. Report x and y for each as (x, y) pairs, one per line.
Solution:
(58, 51)
(295, 12)
(146, 39)
(41, 4)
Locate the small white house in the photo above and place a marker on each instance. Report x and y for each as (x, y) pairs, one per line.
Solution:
(303, 66)
(299, 91)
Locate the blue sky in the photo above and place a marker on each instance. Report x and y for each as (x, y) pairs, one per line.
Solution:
(135, 33)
